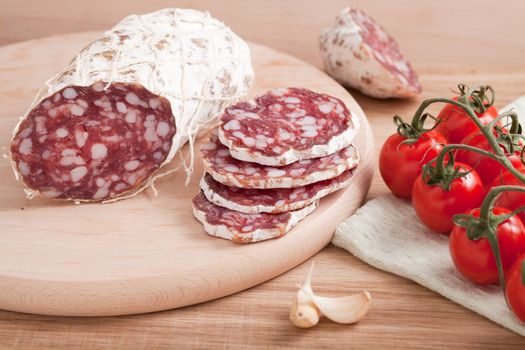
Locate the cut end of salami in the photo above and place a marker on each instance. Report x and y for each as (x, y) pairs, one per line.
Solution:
(286, 125)
(230, 171)
(359, 53)
(279, 200)
(242, 227)
(93, 143)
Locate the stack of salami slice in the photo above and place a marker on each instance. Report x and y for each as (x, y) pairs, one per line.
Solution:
(270, 162)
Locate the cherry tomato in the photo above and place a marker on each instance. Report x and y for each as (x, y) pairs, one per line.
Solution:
(436, 206)
(515, 289)
(400, 164)
(475, 259)
(486, 167)
(511, 199)
(455, 124)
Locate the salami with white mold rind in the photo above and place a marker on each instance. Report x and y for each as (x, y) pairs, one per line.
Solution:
(279, 200)
(242, 227)
(286, 125)
(359, 53)
(232, 172)
(127, 103)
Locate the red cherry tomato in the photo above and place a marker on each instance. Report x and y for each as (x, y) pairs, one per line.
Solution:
(400, 164)
(436, 206)
(515, 289)
(475, 259)
(455, 124)
(511, 199)
(486, 167)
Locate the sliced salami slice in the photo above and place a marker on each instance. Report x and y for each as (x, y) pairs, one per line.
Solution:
(287, 125)
(242, 227)
(279, 200)
(359, 53)
(232, 172)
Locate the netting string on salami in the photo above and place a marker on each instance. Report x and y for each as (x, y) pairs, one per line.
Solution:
(271, 161)
(103, 126)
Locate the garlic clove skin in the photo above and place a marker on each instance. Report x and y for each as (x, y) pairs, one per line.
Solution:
(307, 307)
(346, 310)
(304, 313)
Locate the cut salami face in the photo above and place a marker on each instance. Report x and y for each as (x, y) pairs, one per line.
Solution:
(253, 201)
(126, 104)
(242, 227)
(287, 125)
(93, 143)
(359, 53)
(232, 172)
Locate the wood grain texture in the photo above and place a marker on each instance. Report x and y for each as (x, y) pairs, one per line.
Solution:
(145, 254)
(403, 316)
(445, 31)
(444, 40)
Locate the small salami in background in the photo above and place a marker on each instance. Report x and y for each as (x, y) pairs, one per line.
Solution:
(359, 53)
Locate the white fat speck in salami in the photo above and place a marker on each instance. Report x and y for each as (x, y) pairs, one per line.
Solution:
(245, 228)
(25, 147)
(77, 110)
(78, 173)
(232, 172)
(69, 93)
(121, 107)
(359, 53)
(124, 105)
(132, 165)
(288, 141)
(99, 151)
(61, 132)
(274, 200)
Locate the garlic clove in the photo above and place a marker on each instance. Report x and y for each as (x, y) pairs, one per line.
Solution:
(349, 309)
(307, 307)
(304, 313)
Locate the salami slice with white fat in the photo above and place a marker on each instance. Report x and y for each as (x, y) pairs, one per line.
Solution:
(245, 228)
(279, 200)
(229, 171)
(286, 125)
(359, 53)
(127, 102)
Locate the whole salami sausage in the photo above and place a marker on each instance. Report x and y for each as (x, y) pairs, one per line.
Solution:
(127, 102)
(272, 200)
(242, 227)
(287, 125)
(229, 171)
(359, 53)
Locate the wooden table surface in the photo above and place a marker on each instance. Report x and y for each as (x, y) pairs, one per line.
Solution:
(447, 41)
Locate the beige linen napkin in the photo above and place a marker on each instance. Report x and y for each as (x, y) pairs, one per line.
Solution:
(387, 234)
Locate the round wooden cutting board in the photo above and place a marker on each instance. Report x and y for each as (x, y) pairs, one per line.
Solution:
(146, 253)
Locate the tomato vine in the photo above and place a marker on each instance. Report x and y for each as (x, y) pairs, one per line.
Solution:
(440, 171)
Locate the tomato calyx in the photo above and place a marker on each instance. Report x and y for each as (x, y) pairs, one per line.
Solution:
(506, 140)
(511, 138)
(412, 131)
(443, 174)
(479, 98)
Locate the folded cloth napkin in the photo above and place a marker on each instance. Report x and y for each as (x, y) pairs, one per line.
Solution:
(387, 234)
